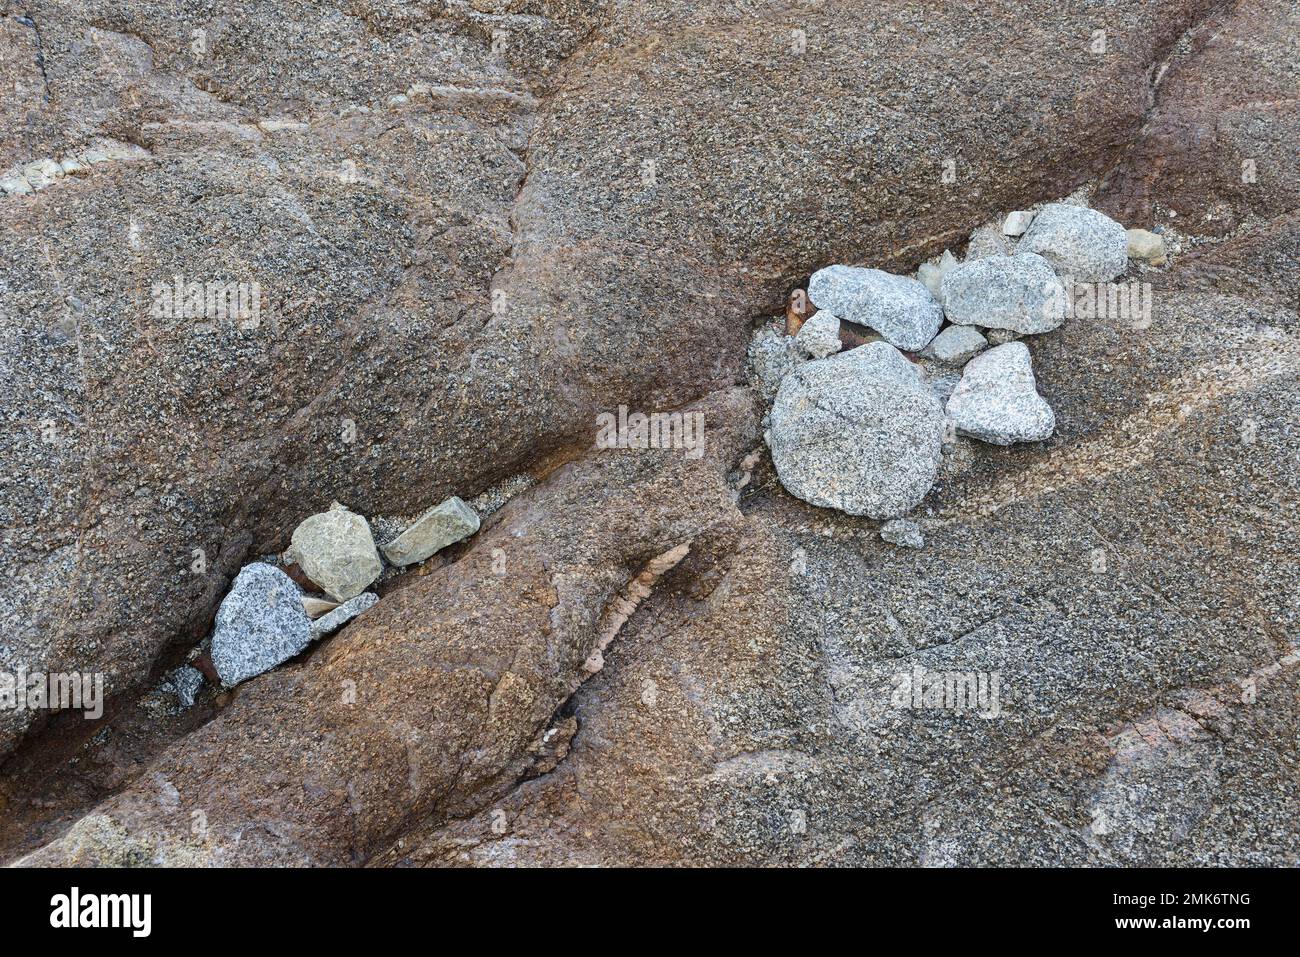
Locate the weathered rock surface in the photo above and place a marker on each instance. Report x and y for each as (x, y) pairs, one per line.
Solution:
(1081, 243)
(445, 524)
(859, 432)
(336, 550)
(336, 618)
(899, 308)
(819, 336)
(956, 345)
(902, 532)
(431, 328)
(1020, 293)
(755, 725)
(595, 210)
(997, 399)
(260, 624)
(437, 700)
(1221, 144)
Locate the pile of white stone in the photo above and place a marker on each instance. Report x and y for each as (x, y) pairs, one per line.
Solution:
(267, 618)
(862, 430)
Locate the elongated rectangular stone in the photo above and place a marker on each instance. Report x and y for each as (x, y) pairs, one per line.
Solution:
(440, 526)
(329, 623)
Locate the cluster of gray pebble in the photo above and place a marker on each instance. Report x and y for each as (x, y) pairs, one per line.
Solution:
(862, 430)
(267, 617)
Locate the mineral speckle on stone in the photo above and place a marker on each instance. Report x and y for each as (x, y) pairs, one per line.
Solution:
(443, 525)
(337, 552)
(899, 308)
(340, 616)
(997, 399)
(859, 431)
(1079, 242)
(901, 531)
(1020, 293)
(260, 623)
(819, 336)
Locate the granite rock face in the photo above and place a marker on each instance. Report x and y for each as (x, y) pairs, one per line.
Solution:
(1080, 243)
(997, 399)
(596, 209)
(433, 328)
(899, 308)
(859, 432)
(260, 624)
(1221, 144)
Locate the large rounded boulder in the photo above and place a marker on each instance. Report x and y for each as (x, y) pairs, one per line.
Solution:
(858, 431)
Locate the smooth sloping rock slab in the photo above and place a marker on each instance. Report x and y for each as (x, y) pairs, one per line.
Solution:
(260, 623)
(1020, 293)
(337, 552)
(957, 345)
(997, 399)
(443, 525)
(899, 308)
(819, 337)
(331, 622)
(859, 431)
(1081, 243)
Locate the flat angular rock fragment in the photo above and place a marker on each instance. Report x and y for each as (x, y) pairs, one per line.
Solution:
(931, 275)
(957, 345)
(819, 336)
(336, 550)
(260, 623)
(773, 356)
(443, 525)
(329, 623)
(997, 399)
